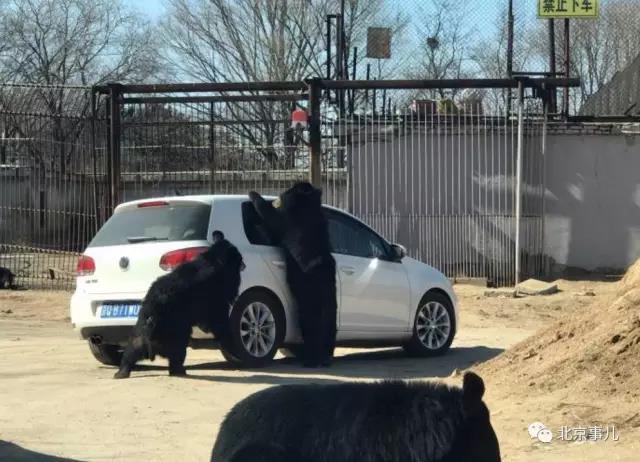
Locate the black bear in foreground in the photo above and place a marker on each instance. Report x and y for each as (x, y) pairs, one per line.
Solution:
(6, 278)
(365, 422)
(197, 293)
(299, 226)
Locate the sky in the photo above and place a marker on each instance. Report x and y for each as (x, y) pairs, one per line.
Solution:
(478, 9)
(152, 9)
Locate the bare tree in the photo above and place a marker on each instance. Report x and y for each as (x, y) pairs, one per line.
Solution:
(58, 43)
(444, 48)
(257, 40)
(61, 42)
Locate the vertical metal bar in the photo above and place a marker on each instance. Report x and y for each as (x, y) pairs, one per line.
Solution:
(519, 179)
(552, 61)
(567, 65)
(114, 138)
(339, 61)
(510, 24)
(94, 156)
(366, 91)
(352, 99)
(212, 150)
(315, 139)
(545, 112)
(328, 47)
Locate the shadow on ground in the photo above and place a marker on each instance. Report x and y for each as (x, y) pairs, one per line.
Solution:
(377, 364)
(14, 453)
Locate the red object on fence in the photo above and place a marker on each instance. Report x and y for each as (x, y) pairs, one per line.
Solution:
(299, 118)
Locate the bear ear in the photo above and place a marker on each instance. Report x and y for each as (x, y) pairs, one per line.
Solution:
(217, 236)
(472, 390)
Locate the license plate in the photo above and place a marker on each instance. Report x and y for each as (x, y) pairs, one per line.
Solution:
(120, 310)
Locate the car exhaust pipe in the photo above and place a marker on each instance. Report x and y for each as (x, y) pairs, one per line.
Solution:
(96, 339)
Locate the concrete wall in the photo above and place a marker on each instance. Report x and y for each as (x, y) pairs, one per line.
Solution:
(592, 201)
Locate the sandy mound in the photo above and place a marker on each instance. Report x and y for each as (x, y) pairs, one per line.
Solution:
(592, 356)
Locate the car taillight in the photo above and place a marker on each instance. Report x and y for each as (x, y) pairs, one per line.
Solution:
(86, 266)
(177, 257)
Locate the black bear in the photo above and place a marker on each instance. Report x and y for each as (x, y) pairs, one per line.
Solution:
(364, 422)
(297, 223)
(6, 278)
(199, 293)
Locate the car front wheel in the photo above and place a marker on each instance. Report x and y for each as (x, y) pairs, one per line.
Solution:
(434, 326)
(257, 329)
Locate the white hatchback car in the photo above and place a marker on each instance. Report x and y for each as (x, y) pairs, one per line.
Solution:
(384, 297)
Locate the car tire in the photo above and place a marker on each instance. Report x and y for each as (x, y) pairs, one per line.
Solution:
(434, 326)
(110, 355)
(257, 329)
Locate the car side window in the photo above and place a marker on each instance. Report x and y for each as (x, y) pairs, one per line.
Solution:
(257, 233)
(348, 237)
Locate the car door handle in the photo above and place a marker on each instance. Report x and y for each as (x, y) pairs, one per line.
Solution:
(348, 270)
(278, 263)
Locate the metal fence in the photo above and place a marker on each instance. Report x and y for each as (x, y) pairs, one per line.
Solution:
(438, 177)
(47, 187)
(442, 180)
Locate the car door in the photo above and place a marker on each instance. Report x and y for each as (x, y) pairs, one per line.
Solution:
(375, 295)
(264, 245)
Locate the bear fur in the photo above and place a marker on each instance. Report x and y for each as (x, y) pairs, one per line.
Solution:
(197, 293)
(364, 422)
(299, 226)
(7, 279)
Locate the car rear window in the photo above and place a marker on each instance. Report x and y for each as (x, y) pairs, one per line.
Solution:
(166, 223)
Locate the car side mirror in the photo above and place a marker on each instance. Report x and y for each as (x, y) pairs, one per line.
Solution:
(398, 252)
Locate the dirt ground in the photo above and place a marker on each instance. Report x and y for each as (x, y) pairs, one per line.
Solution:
(58, 403)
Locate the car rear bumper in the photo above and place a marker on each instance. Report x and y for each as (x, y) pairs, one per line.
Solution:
(85, 310)
(112, 335)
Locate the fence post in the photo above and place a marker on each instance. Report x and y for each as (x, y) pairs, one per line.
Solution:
(315, 139)
(547, 102)
(519, 177)
(212, 150)
(115, 91)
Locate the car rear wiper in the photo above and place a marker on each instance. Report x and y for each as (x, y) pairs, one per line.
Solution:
(136, 239)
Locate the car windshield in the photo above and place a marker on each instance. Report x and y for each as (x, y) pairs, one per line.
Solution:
(174, 222)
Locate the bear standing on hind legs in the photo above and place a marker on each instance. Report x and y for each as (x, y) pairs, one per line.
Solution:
(299, 226)
(198, 292)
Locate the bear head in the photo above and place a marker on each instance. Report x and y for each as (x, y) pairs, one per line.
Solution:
(302, 196)
(224, 254)
(475, 440)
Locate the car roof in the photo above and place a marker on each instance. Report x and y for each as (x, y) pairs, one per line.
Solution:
(202, 198)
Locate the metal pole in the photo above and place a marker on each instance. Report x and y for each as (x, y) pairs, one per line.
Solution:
(510, 22)
(315, 140)
(567, 64)
(212, 150)
(94, 155)
(328, 47)
(519, 177)
(352, 97)
(114, 143)
(545, 111)
(510, 40)
(340, 63)
(552, 63)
